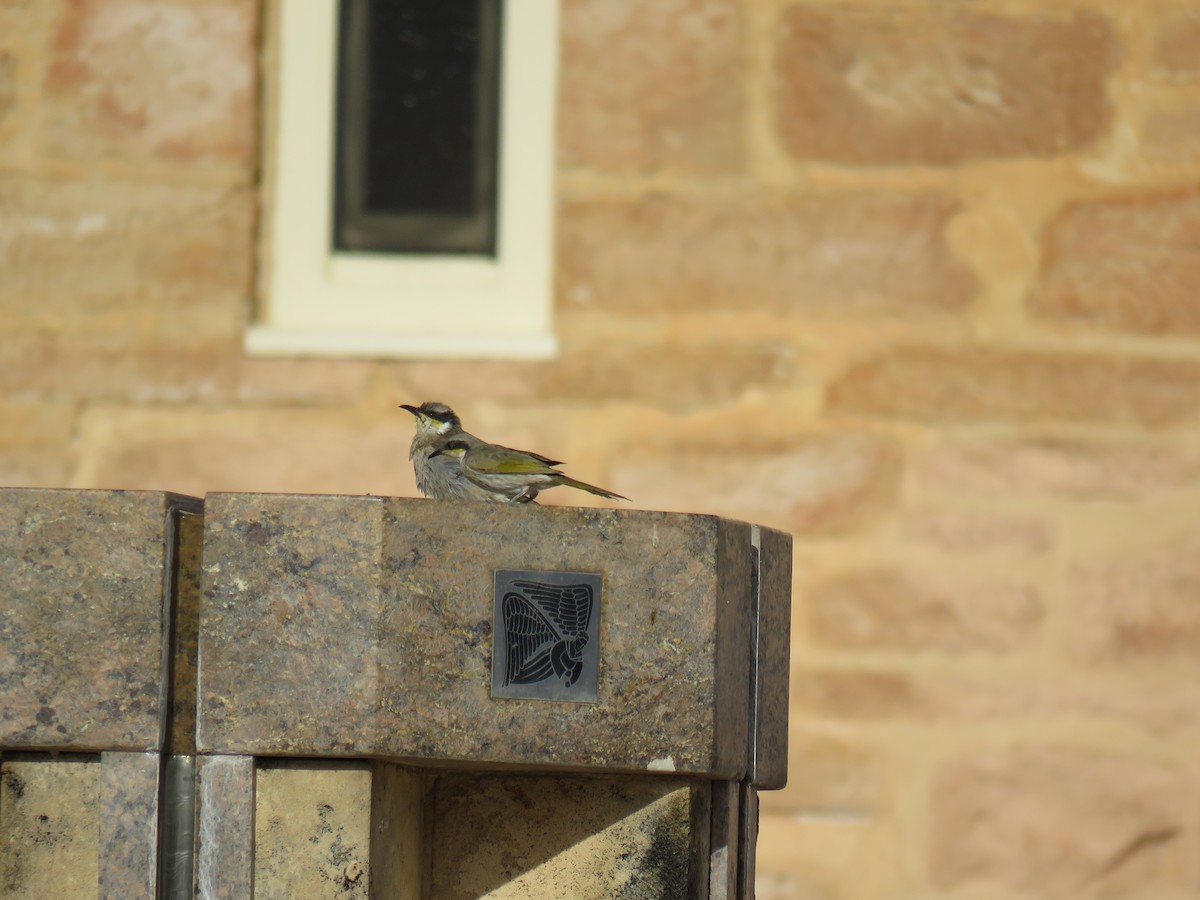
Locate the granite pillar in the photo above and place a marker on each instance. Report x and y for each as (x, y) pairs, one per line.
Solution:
(85, 617)
(225, 836)
(128, 822)
(273, 695)
(362, 626)
(88, 588)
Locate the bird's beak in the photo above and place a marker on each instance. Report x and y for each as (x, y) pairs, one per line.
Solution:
(434, 453)
(411, 409)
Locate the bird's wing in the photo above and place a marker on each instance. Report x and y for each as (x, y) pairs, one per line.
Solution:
(491, 459)
(544, 459)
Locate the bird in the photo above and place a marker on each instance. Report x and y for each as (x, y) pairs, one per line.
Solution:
(440, 476)
(517, 476)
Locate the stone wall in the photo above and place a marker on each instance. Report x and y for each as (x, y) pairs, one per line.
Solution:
(916, 281)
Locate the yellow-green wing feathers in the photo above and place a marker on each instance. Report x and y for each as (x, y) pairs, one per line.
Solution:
(494, 460)
(491, 463)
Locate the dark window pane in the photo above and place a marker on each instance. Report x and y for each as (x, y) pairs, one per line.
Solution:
(418, 110)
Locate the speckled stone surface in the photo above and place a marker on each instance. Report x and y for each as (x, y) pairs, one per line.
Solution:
(49, 829)
(181, 736)
(747, 840)
(724, 852)
(312, 830)
(534, 837)
(128, 825)
(225, 833)
(81, 618)
(769, 738)
(398, 852)
(363, 625)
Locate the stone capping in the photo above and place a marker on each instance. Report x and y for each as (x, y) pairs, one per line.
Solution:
(86, 580)
(339, 626)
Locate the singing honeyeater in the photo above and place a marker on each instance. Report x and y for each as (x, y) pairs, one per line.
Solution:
(440, 476)
(515, 475)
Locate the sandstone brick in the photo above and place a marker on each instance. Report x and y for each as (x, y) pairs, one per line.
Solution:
(651, 85)
(972, 531)
(107, 259)
(1176, 51)
(891, 609)
(1159, 706)
(8, 84)
(892, 86)
(1060, 469)
(35, 425)
(677, 377)
(962, 385)
(24, 33)
(1056, 821)
(1140, 607)
(315, 382)
(1123, 264)
(855, 695)
(62, 368)
(1153, 704)
(195, 451)
(854, 254)
(829, 858)
(829, 776)
(773, 885)
(36, 446)
(312, 829)
(673, 376)
(558, 837)
(1172, 137)
(822, 483)
(140, 81)
(49, 826)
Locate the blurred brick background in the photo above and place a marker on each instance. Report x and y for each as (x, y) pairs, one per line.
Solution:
(917, 281)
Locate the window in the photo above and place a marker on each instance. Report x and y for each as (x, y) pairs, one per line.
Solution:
(409, 179)
(418, 104)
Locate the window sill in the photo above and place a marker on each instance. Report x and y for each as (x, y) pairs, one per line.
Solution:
(275, 341)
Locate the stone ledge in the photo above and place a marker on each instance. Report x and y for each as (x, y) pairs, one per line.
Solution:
(83, 580)
(362, 626)
(332, 626)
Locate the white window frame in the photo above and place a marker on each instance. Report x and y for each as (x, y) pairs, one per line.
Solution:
(319, 302)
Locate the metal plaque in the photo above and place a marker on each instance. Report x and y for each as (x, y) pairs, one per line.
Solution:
(546, 635)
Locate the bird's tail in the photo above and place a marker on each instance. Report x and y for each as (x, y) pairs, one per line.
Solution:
(590, 488)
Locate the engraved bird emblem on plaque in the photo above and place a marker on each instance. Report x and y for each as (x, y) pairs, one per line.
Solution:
(546, 630)
(545, 633)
